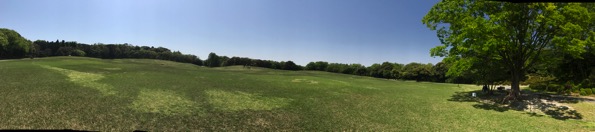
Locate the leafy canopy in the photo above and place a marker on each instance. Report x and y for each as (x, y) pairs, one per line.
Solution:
(510, 33)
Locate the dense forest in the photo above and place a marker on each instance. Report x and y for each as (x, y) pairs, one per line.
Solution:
(554, 75)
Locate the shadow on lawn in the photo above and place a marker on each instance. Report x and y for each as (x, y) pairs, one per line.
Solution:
(532, 103)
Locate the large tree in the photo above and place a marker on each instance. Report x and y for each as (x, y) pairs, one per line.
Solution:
(213, 60)
(12, 44)
(515, 33)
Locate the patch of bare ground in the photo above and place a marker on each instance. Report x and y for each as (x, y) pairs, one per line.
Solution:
(535, 104)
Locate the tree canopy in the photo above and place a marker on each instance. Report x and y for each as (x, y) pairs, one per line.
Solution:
(511, 34)
(12, 44)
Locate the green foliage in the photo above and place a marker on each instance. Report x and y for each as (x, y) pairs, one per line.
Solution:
(576, 88)
(583, 92)
(45, 48)
(65, 51)
(12, 44)
(289, 65)
(213, 60)
(538, 86)
(439, 72)
(412, 71)
(417, 71)
(238, 61)
(588, 91)
(319, 66)
(555, 88)
(510, 34)
(78, 52)
(535, 79)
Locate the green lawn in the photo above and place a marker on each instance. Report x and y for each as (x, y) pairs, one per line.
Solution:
(143, 94)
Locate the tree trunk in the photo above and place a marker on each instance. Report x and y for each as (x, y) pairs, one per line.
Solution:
(515, 92)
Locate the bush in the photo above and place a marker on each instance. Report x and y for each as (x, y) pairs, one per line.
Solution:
(555, 88)
(538, 86)
(78, 53)
(583, 93)
(593, 90)
(588, 91)
(576, 90)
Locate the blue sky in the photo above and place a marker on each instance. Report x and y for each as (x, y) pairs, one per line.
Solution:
(343, 31)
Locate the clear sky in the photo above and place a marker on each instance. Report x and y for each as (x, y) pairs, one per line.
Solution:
(343, 31)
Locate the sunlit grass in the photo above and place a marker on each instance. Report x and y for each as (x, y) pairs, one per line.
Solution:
(234, 101)
(85, 79)
(304, 81)
(165, 102)
(157, 95)
(113, 69)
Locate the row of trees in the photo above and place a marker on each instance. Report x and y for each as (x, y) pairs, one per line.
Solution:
(388, 70)
(215, 61)
(15, 46)
(43, 48)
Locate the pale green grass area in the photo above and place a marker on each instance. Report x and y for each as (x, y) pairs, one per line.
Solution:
(304, 81)
(165, 102)
(113, 69)
(587, 112)
(156, 95)
(85, 79)
(234, 101)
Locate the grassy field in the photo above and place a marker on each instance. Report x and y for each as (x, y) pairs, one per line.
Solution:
(142, 94)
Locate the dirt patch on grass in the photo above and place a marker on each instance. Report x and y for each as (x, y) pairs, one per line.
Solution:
(304, 80)
(342, 82)
(533, 104)
(370, 87)
(85, 79)
(234, 101)
(113, 69)
(164, 102)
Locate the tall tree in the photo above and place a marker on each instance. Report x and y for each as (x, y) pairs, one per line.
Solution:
(439, 72)
(289, 65)
(515, 32)
(12, 44)
(213, 60)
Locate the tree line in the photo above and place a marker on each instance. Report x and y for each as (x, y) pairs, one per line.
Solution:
(13, 45)
(43, 48)
(558, 71)
(412, 71)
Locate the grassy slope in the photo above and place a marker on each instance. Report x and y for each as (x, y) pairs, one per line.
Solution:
(130, 94)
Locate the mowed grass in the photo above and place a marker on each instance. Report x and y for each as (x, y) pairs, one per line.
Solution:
(142, 94)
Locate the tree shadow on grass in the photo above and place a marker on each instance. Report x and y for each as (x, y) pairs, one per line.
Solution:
(494, 107)
(534, 104)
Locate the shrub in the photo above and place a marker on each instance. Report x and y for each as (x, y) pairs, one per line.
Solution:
(78, 53)
(576, 88)
(538, 86)
(555, 88)
(588, 91)
(575, 91)
(593, 90)
(583, 93)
